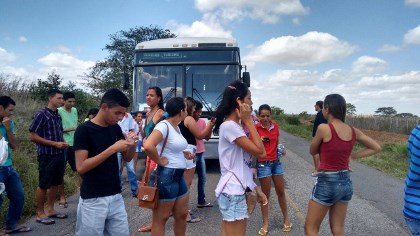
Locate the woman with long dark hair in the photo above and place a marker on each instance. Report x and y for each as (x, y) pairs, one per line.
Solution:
(235, 150)
(173, 191)
(333, 188)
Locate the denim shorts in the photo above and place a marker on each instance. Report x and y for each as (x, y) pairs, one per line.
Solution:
(171, 183)
(232, 207)
(269, 168)
(331, 188)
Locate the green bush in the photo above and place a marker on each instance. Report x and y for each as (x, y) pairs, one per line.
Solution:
(292, 120)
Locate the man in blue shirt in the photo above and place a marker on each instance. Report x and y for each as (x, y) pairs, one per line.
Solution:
(8, 174)
(412, 184)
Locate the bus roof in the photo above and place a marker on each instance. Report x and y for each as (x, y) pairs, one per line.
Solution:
(187, 42)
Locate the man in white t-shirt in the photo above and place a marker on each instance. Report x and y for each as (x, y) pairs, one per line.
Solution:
(127, 124)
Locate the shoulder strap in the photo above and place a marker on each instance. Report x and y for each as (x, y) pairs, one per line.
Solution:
(237, 179)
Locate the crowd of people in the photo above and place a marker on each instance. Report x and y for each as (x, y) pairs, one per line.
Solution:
(250, 157)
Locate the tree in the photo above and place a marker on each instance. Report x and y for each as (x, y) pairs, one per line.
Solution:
(350, 109)
(405, 115)
(108, 73)
(276, 110)
(386, 111)
(39, 91)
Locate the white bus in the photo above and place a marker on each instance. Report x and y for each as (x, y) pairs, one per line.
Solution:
(198, 67)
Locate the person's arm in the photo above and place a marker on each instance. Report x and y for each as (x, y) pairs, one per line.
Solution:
(317, 140)
(191, 125)
(69, 130)
(150, 147)
(85, 164)
(129, 152)
(7, 123)
(371, 146)
(254, 146)
(34, 137)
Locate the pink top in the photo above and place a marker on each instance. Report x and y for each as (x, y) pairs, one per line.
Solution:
(201, 124)
(335, 154)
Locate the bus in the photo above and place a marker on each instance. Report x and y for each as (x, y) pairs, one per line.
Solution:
(197, 67)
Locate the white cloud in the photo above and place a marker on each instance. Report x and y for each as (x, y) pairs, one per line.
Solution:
(63, 49)
(413, 3)
(207, 27)
(67, 66)
(369, 65)
(412, 36)
(309, 49)
(269, 11)
(389, 48)
(6, 56)
(23, 39)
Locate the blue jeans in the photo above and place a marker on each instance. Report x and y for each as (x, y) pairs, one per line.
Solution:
(232, 207)
(171, 183)
(102, 216)
(131, 173)
(201, 173)
(413, 225)
(269, 168)
(14, 191)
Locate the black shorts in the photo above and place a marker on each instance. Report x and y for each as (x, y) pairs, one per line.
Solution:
(70, 158)
(51, 170)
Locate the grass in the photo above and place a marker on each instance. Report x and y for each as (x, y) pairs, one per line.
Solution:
(392, 160)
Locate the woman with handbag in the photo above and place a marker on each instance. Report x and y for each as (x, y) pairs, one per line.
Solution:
(235, 150)
(333, 188)
(173, 191)
(271, 167)
(154, 100)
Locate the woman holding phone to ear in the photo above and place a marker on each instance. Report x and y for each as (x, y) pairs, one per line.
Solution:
(235, 150)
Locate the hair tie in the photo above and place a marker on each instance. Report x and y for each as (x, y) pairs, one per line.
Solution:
(231, 87)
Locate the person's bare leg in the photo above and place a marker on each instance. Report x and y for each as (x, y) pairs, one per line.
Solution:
(51, 192)
(265, 187)
(281, 196)
(62, 194)
(235, 228)
(160, 216)
(180, 212)
(337, 218)
(40, 200)
(314, 216)
(188, 176)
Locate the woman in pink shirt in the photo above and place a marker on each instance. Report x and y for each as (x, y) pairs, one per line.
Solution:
(333, 188)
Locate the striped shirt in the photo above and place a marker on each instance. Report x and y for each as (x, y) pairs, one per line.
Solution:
(412, 182)
(47, 124)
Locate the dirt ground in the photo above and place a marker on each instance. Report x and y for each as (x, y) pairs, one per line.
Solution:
(385, 137)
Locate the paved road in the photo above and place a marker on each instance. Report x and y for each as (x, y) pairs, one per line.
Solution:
(374, 210)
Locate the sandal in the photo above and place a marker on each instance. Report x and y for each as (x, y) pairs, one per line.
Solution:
(63, 205)
(193, 219)
(287, 228)
(145, 229)
(262, 232)
(21, 229)
(206, 204)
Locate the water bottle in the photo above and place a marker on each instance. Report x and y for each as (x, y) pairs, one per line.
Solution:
(280, 150)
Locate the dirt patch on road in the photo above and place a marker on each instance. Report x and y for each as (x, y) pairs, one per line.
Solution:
(386, 137)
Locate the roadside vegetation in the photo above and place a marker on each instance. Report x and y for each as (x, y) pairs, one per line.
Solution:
(392, 160)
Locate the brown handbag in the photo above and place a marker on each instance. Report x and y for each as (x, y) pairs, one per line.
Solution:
(148, 196)
(251, 196)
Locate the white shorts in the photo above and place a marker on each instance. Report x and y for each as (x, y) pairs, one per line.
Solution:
(190, 164)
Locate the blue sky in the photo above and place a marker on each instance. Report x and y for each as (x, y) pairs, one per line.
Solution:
(296, 51)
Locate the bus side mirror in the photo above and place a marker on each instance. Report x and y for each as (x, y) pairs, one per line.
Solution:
(246, 78)
(126, 81)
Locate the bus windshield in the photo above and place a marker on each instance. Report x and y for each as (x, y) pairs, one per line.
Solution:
(204, 83)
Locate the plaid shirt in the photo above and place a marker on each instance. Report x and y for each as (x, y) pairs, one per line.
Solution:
(47, 124)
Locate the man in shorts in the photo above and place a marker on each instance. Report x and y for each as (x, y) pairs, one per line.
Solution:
(101, 209)
(68, 114)
(46, 131)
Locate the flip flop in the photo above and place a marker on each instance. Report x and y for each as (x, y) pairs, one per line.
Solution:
(58, 215)
(194, 219)
(45, 221)
(262, 232)
(207, 204)
(63, 205)
(21, 229)
(287, 228)
(145, 229)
